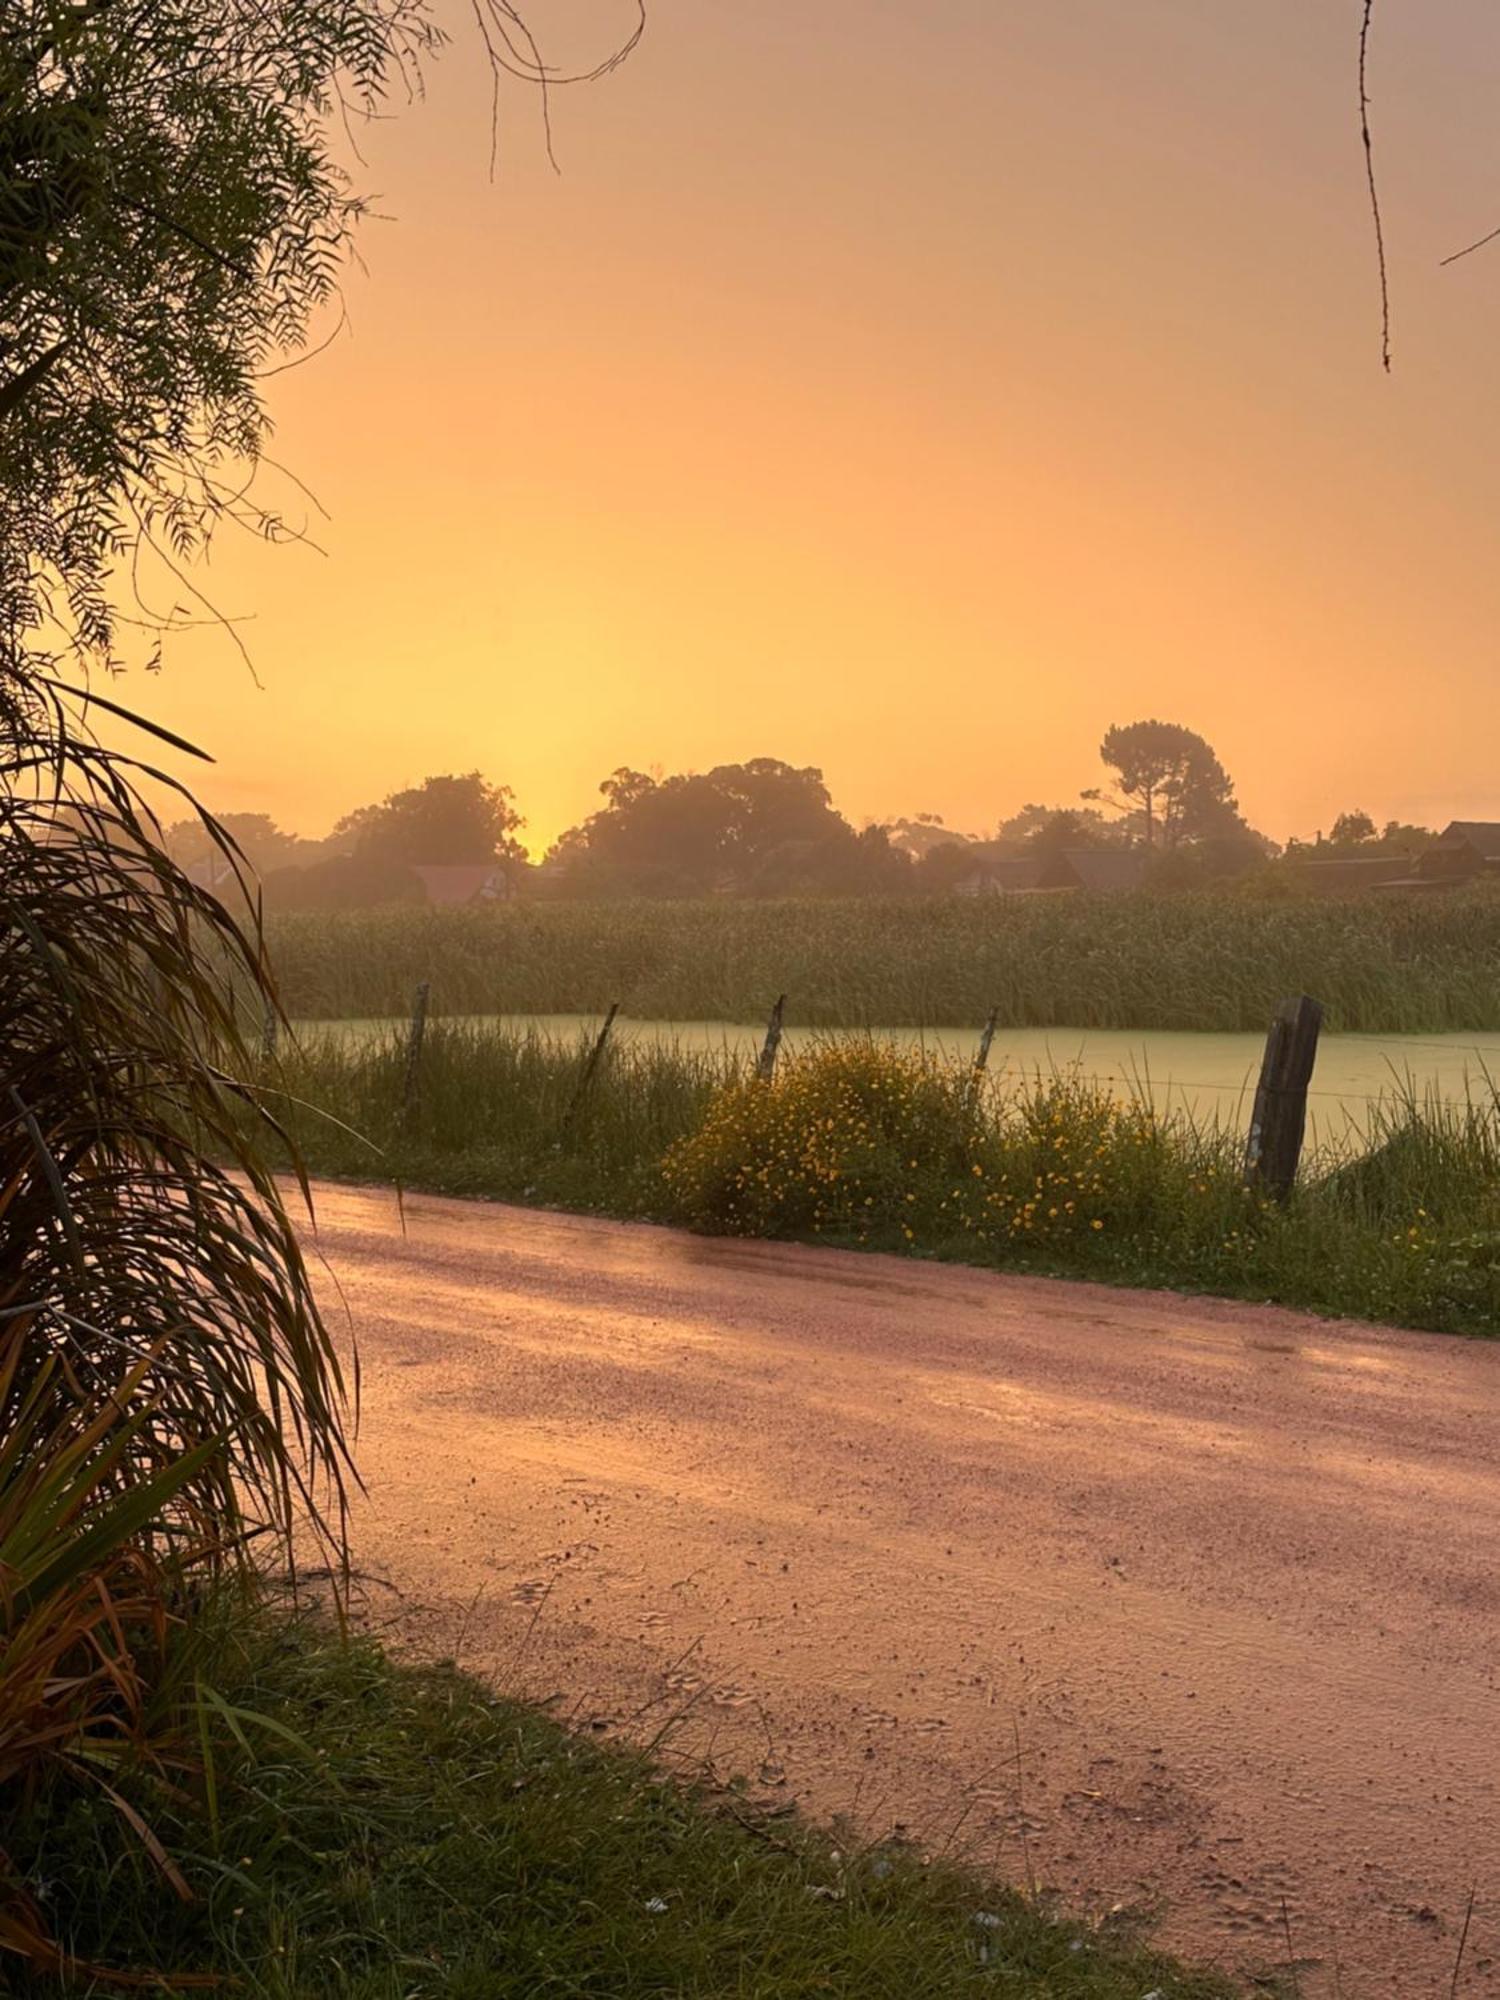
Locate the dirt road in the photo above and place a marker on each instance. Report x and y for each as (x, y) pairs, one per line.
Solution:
(1145, 1597)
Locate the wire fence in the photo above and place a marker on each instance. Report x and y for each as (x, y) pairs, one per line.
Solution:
(1141, 1081)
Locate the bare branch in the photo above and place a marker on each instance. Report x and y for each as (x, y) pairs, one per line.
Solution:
(1364, 127)
(1469, 249)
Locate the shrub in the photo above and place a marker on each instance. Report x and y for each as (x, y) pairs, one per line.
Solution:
(835, 1144)
(867, 1141)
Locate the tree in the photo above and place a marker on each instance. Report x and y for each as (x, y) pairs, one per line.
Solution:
(1405, 837)
(1353, 829)
(442, 820)
(342, 882)
(840, 862)
(942, 868)
(171, 215)
(1171, 775)
(755, 828)
(263, 844)
(1358, 829)
(1083, 827)
(920, 835)
(1063, 827)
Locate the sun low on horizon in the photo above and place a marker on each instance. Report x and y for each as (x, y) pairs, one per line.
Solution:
(912, 392)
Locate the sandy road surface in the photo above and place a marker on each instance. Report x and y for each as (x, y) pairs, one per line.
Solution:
(1225, 1575)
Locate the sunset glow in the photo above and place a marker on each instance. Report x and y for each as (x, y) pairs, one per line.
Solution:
(907, 391)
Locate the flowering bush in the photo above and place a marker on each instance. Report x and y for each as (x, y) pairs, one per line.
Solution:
(836, 1144)
(870, 1141)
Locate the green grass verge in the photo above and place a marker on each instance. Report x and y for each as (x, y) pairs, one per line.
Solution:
(1187, 962)
(864, 1144)
(383, 1832)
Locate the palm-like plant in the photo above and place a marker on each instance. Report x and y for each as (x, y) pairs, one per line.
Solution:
(132, 1191)
(167, 1388)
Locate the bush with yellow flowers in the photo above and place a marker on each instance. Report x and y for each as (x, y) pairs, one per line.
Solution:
(843, 1142)
(871, 1142)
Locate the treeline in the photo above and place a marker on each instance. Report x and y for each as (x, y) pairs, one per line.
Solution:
(763, 828)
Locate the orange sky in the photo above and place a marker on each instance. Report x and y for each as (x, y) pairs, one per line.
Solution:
(912, 390)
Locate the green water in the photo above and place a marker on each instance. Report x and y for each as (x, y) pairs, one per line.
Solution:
(1212, 1076)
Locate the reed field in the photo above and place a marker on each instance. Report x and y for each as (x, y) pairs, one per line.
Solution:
(1195, 962)
(865, 1143)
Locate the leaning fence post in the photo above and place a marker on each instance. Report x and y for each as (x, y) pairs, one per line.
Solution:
(595, 1057)
(765, 1065)
(1279, 1120)
(982, 1057)
(414, 1038)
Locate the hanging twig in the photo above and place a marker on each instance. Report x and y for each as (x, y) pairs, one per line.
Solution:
(1364, 129)
(1469, 248)
(512, 50)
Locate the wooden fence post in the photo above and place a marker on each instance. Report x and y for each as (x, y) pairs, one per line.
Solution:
(269, 1026)
(982, 1057)
(414, 1039)
(765, 1067)
(595, 1057)
(1279, 1120)
(986, 1041)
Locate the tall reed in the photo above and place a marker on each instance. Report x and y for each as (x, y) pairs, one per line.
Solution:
(1187, 962)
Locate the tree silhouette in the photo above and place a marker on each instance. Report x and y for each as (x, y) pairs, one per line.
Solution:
(442, 820)
(1352, 829)
(763, 827)
(1172, 777)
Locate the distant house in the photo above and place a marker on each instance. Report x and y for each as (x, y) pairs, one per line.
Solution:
(1101, 870)
(1350, 874)
(1465, 850)
(1001, 875)
(1104, 870)
(452, 885)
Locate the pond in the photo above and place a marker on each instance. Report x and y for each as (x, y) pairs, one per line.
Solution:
(1212, 1076)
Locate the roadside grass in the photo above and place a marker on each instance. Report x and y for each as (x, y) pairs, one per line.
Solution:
(375, 1831)
(1220, 961)
(496, 1112)
(864, 1143)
